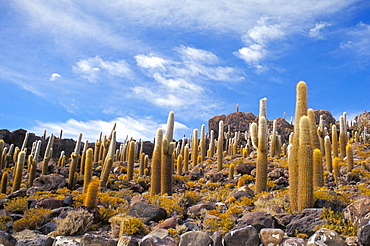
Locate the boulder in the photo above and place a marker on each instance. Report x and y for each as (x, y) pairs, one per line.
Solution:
(159, 237)
(196, 209)
(245, 168)
(271, 237)
(6, 239)
(363, 234)
(66, 241)
(148, 212)
(305, 222)
(195, 238)
(293, 241)
(127, 241)
(245, 236)
(326, 237)
(258, 220)
(95, 240)
(357, 210)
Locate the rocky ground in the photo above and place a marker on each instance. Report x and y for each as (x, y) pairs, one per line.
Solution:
(207, 208)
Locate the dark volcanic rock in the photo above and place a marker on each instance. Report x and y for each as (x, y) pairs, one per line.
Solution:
(148, 212)
(245, 168)
(245, 236)
(258, 219)
(326, 116)
(305, 222)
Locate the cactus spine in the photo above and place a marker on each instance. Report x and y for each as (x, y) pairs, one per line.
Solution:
(318, 174)
(300, 110)
(261, 165)
(349, 153)
(131, 160)
(220, 143)
(328, 158)
(88, 168)
(156, 164)
(18, 171)
(305, 171)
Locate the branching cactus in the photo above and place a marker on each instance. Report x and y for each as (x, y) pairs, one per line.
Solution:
(328, 158)
(318, 172)
(300, 110)
(18, 171)
(220, 143)
(156, 164)
(305, 170)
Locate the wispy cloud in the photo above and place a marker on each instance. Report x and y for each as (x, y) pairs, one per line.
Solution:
(316, 31)
(92, 68)
(358, 40)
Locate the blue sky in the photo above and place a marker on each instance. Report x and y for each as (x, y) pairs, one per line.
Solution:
(80, 66)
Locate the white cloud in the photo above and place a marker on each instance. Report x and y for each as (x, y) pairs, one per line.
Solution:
(144, 128)
(55, 76)
(91, 68)
(316, 31)
(257, 40)
(358, 40)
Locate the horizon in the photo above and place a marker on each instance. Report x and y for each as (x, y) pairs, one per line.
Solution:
(132, 62)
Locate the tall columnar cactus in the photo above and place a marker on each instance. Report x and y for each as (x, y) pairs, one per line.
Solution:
(349, 153)
(16, 154)
(2, 144)
(202, 143)
(342, 137)
(131, 160)
(334, 139)
(88, 168)
(231, 171)
(336, 169)
(273, 140)
(220, 145)
(141, 164)
(300, 110)
(212, 144)
(262, 111)
(96, 151)
(167, 167)
(186, 158)
(24, 145)
(4, 182)
(83, 157)
(47, 155)
(156, 164)
(72, 170)
(179, 165)
(315, 142)
(305, 170)
(92, 192)
(104, 176)
(261, 165)
(318, 172)
(194, 148)
(18, 171)
(321, 134)
(328, 157)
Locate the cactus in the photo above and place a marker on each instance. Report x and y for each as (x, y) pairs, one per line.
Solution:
(167, 167)
(186, 158)
(179, 165)
(131, 160)
(273, 140)
(96, 151)
(156, 164)
(305, 170)
(240, 183)
(88, 168)
(349, 153)
(336, 169)
(194, 148)
(212, 144)
(18, 171)
(315, 142)
(47, 155)
(4, 182)
(220, 143)
(142, 164)
(328, 158)
(300, 110)
(202, 143)
(72, 170)
(342, 137)
(261, 165)
(262, 111)
(318, 174)
(32, 169)
(334, 139)
(83, 158)
(24, 145)
(1, 154)
(321, 134)
(231, 171)
(91, 198)
(105, 173)
(16, 154)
